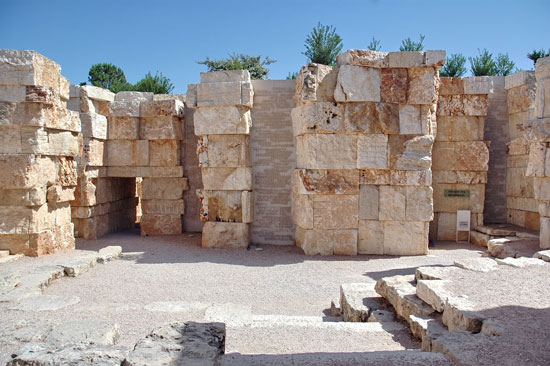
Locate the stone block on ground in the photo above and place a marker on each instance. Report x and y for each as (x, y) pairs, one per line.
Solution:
(157, 224)
(358, 301)
(434, 272)
(477, 264)
(109, 253)
(498, 248)
(225, 235)
(520, 262)
(543, 254)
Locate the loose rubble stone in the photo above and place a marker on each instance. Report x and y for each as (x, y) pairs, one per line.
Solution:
(358, 301)
(543, 254)
(109, 253)
(477, 264)
(498, 248)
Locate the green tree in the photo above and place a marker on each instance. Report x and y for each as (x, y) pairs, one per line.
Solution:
(374, 45)
(504, 65)
(254, 64)
(409, 45)
(106, 76)
(483, 64)
(323, 44)
(455, 66)
(536, 54)
(158, 84)
(292, 75)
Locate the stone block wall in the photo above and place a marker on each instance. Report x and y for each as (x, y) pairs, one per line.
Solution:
(521, 205)
(460, 156)
(222, 120)
(537, 132)
(39, 142)
(363, 151)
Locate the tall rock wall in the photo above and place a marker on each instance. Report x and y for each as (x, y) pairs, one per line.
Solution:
(363, 150)
(39, 143)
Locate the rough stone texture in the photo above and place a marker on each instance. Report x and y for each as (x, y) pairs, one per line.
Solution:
(225, 235)
(357, 84)
(358, 301)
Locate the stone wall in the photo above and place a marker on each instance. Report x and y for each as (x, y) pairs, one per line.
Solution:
(39, 141)
(460, 155)
(537, 131)
(363, 149)
(521, 205)
(222, 120)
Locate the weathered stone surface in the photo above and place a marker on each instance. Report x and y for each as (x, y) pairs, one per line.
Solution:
(133, 96)
(79, 264)
(221, 206)
(370, 237)
(517, 146)
(224, 94)
(335, 211)
(73, 354)
(129, 108)
(499, 249)
(543, 254)
(393, 202)
(394, 85)
(94, 125)
(191, 96)
(45, 303)
(326, 181)
(434, 293)
(225, 235)
(163, 188)
(460, 128)
(327, 242)
(89, 331)
(312, 152)
(411, 177)
(459, 315)
(316, 82)
(519, 78)
(374, 176)
(363, 58)
(474, 202)
(537, 130)
(357, 84)
(478, 85)
(434, 273)
(417, 154)
(537, 157)
(368, 202)
(496, 231)
(302, 211)
(222, 120)
(372, 118)
(451, 86)
(24, 67)
(372, 151)
(109, 253)
(157, 224)
(145, 171)
(462, 105)
(435, 57)
(187, 343)
(161, 127)
(479, 238)
(163, 207)
(323, 117)
(96, 93)
(128, 153)
(225, 76)
(520, 262)
(164, 152)
(421, 85)
(406, 59)
(60, 194)
(521, 98)
(477, 264)
(224, 151)
(358, 301)
(123, 128)
(472, 156)
(161, 108)
(345, 242)
(405, 237)
(23, 197)
(420, 204)
(227, 179)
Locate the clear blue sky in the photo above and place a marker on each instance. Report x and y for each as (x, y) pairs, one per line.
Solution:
(170, 36)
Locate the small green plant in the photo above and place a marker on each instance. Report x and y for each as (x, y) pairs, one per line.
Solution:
(374, 45)
(254, 64)
(536, 54)
(323, 44)
(158, 84)
(483, 64)
(455, 66)
(409, 45)
(504, 65)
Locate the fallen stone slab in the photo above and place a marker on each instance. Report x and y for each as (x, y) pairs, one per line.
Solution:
(434, 272)
(10, 294)
(180, 344)
(498, 248)
(521, 262)
(45, 303)
(42, 354)
(25, 331)
(84, 331)
(41, 277)
(358, 300)
(463, 348)
(80, 264)
(543, 254)
(526, 235)
(477, 264)
(11, 258)
(495, 231)
(109, 253)
(433, 293)
(479, 238)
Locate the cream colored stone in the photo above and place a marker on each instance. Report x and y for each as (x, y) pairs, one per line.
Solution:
(357, 84)
(518, 146)
(542, 188)
(474, 202)
(23, 67)
(316, 82)
(421, 85)
(326, 151)
(522, 203)
(371, 118)
(322, 117)
(393, 202)
(519, 78)
(96, 93)
(451, 86)
(517, 184)
(515, 124)
(472, 156)
(344, 242)
(462, 105)
(370, 237)
(409, 120)
(128, 108)
(94, 125)
(372, 152)
(406, 59)
(191, 96)
(221, 206)
(225, 235)
(164, 152)
(222, 94)
(155, 108)
(127, 153)
(521, 98)
(545, 232)
(435, 57)
(223, 120)
(123, 128)
(163, 188)
(247, 201)
(405, 238)
(34, 196)
(374, 176)
(335, 211)
(411, 177)
(157, 224)
(478, 85)
(60, 194)
(459, 177)
(145, 171)
(224, 151)
(163, 207)
(315, 242)
(227, 179)
(420, 204)
(537, 157)
(460, 128)
(302, 211)
(133, 96)
(363, 58)
(225, 76)
(13, 93)
(537, 130)
(542, 99)
(161, 127)
(368, 203)
(323, 181)
(417, 154)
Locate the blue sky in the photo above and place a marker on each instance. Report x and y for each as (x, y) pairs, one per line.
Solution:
(170, 36)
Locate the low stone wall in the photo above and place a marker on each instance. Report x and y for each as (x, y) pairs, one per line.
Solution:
(363, 150)
(460, 156)
(39, 141)
(521, 205)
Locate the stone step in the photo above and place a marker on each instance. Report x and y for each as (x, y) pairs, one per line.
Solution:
(496, 230)
(4, 253)
(359, 302)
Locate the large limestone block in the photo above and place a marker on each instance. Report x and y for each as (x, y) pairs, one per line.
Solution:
(542, 188)
(405, 237)
(326, 151)
(372, 118)
(522, 203)
(357, 84)
(473, 156)
(34, 196)
(420, 204)
(322, 117)
(393, 203)
(22, 67)
(542, 99)
(127, 152)
(323, 181)
(335, 211)
(460, 128)
(327, 242)
(25, 171)
(435, 57)
(411, 177)
(94, 125)
(459, 177)
(363, 58)
(446, 226)
(537, 157)
(247, 203)
(406, 59)
(372, 151)
(545, 232)
(157, 224)
(478, 84)
(374, 176)
(411, 121)
(191, 96)
(451, 86)
(316, 82)
(521, 98)
(133, 96)
(537, 130)
(517, 146)
(164, 152)
(519, 78)
(128, 108)
(394, 85)
(462, 105)
(163, 188)
(370, 237)
(161, 127)
(422, 85)
(368, 202)
(225, 235)
(227, 179)
(515, 124)
(517, 184)
(222, 120)
(171, 107)
(159, 97)
(224, 151)
(344, 242)
(96, 93)
(60, 194)
(145, 171)
(123, 128)
(302, 211)
(225, 76)
(13, 93)
(417, 154)
(221, 206)
(224, 94)
(451, 203)
(163, 207)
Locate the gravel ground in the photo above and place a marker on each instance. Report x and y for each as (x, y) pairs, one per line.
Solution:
(175, 273)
